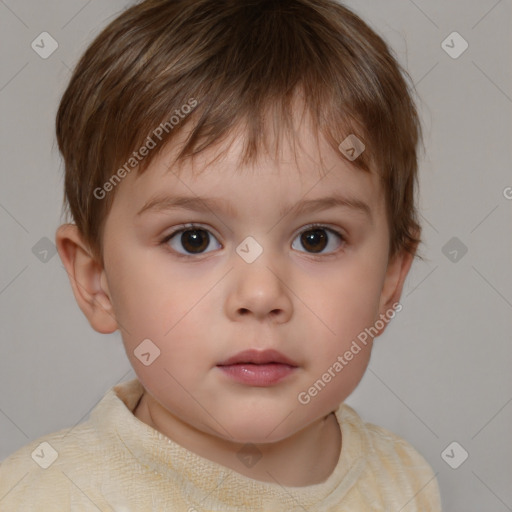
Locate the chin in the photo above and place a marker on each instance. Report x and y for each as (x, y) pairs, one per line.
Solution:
(259, 430)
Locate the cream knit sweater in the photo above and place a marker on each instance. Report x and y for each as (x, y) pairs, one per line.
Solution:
(115, 462)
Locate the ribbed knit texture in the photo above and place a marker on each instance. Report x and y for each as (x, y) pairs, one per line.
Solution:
(115, 462)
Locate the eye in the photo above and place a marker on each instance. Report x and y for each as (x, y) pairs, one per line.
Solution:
(316, 238)
(193, 239)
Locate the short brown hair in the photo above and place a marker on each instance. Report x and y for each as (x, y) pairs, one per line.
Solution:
(236, 59)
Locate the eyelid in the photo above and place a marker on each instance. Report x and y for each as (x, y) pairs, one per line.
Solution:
(336, 231)
(321, 225)
(326, 227)
(314, 225)
(186, 227)
(308, 227)
(189, 226)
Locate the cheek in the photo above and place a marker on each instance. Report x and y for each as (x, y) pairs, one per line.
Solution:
(348, 304)
(335, 377)
(156, 302)
(149, 298)
(350, 299)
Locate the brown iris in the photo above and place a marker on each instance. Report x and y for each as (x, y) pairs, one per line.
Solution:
(314, 240)
(195, 240)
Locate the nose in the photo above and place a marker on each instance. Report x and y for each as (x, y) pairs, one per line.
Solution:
(259, 290)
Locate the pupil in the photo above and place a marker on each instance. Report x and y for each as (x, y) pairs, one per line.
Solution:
(194, 240)
(310, 238)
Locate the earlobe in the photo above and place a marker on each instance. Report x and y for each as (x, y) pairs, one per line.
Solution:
(87, 278)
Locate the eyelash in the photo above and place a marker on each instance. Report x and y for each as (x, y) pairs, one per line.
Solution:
(192, 227)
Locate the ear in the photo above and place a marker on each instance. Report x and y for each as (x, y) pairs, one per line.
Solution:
(396, 273)
(87, 278)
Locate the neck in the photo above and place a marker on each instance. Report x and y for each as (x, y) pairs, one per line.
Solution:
(308, 457)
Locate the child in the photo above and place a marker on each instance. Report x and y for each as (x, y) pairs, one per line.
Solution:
(208, 147)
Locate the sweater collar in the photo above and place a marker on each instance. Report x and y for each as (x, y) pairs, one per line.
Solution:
(195, 474)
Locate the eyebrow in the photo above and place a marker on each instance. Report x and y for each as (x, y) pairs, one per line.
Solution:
(162, 203)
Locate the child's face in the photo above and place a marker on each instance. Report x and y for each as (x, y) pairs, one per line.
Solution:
(203, 309)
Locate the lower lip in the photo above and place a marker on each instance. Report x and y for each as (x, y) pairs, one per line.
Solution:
(258, 374)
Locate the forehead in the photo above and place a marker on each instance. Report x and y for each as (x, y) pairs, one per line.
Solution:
(292, 168)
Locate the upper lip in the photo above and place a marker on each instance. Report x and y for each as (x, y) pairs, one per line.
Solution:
(258, 357)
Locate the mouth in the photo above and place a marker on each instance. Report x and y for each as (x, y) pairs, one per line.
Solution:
(258, 357)
(258, 368)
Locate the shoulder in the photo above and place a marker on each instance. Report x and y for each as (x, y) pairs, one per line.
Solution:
(393, 466)
(73, 469)
(49, 473)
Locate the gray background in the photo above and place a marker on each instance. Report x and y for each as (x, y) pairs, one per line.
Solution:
(441, 372)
